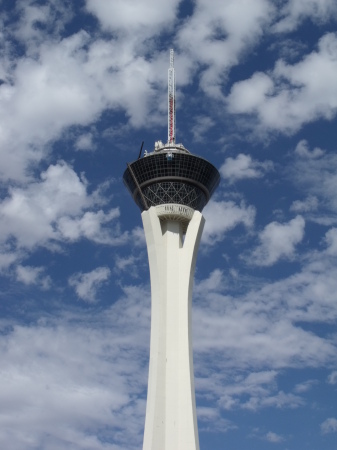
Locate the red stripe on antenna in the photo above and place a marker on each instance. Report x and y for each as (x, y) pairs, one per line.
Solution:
(171, 100)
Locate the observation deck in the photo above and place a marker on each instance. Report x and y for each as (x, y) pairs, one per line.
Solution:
(171, 175)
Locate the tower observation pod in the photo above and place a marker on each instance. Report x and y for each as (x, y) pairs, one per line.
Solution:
(171, 186)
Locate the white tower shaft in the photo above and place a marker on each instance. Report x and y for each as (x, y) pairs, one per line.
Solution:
(171, 101)
(171, 422)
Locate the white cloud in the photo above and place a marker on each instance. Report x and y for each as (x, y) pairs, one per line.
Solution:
(305, 386)
(278, 241)
(129, 264)
(85, 142)
(218, 33)
(273, 437)
(257, 385)
(28, 214)
(47, 93)
(138, 237)
(90, 226)
(86, 285)
(124, 263)
(32, 276)
(35, 21)
(310, 293)
(251, 392)
(28, 274)
(76, 381)
(329, 426)
(331, 241)
(243, 166)
(210, 420)
(248, 95)
(261, 327)
(213, 283)
(223, 216)
(7, 258)
(202, 126)
(291, 95)
(308, 205)
(302, 150)
(260, 330)
(332, 378)
(143, 17)
(314, 171)
(293, 12)
(249, 332)
(55, 209)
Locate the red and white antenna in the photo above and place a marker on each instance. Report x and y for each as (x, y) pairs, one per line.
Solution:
(171, 101)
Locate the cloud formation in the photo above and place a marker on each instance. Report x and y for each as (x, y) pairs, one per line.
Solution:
(87, 284)
(329, 426)
(223, 216)
(75, 381)
(242, 167)
(293, 12)
(53, 210)
(278, 241)
(32, 276)
(290, 96)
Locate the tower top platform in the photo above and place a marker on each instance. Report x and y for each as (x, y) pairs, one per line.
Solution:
(171, 175)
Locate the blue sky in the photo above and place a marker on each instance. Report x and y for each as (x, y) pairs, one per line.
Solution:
(83, 83)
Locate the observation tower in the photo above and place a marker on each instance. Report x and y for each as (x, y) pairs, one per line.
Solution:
(171, 186)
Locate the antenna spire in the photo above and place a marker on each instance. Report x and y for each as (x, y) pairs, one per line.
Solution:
(171, 101)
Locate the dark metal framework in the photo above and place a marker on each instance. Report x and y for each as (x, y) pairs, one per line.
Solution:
(171, 177)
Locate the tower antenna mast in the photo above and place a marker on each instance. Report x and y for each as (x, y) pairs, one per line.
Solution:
(171, 101)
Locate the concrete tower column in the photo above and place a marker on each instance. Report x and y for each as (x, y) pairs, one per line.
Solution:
(171, 422)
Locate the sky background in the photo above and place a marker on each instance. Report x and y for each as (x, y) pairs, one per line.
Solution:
(83, 83)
